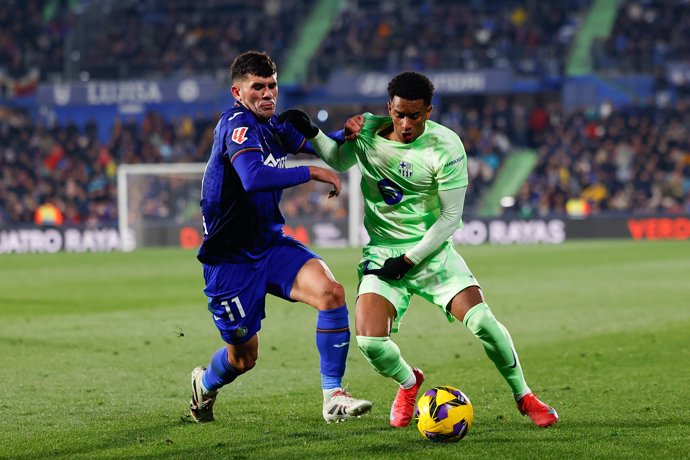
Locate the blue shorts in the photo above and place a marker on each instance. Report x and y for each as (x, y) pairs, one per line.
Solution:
(237, 291)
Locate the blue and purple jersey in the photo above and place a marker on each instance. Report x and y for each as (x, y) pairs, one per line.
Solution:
(243, 184)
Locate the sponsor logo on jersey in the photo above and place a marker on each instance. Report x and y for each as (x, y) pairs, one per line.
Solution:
(238, 134)
(454, 162)
(405, 169)
(234, 115)
(272, 162)
(390, 191)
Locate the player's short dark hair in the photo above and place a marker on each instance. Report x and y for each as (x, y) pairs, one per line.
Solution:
(411, 86)
(252, 63)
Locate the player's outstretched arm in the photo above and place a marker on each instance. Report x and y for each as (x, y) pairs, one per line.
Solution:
(329, 177)
(327, 149)
(452, 203)
(256, 176)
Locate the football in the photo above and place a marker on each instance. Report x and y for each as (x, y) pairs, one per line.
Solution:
(444, 414)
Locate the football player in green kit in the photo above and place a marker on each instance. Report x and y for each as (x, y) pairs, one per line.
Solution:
(414, 179)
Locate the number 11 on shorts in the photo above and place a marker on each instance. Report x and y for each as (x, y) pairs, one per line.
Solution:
(238, 306)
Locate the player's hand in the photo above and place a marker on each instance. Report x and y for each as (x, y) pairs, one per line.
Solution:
(353, 126)
(394, 268)
(301, 121)
(326, 176)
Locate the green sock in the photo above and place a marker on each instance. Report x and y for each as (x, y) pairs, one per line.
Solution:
(384, 356)
(498, 346)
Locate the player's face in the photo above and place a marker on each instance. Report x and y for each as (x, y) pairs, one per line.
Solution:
(258, 94)
(408, 118)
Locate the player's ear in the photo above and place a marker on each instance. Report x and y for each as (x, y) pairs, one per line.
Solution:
(235, 91)
(428, 111)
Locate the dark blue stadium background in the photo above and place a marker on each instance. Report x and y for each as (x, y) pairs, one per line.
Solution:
(88, 85)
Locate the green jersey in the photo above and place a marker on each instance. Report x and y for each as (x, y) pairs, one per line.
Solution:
(400, 182)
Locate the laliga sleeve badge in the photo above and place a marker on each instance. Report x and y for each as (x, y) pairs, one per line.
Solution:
(238, 134)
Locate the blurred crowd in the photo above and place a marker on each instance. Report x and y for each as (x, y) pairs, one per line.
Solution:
(54, 39)
(163, 38)
(66, 166)
(632, 160)
(646, 34)
(62, 166)
(530, 37)
(128, 39)
(32, 38)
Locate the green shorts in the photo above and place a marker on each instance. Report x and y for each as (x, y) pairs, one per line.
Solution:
(437, 279)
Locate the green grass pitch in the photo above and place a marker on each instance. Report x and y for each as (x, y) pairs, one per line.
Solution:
(96, 352)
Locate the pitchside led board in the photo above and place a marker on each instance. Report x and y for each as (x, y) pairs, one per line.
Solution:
(329, 234)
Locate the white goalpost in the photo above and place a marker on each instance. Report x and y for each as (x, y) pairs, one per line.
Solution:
(158, 205)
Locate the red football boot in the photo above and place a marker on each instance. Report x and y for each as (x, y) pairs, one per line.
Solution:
(541, 413)
(402, 409)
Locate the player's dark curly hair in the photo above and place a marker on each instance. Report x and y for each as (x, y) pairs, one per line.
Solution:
(411, 86)
(254, 63)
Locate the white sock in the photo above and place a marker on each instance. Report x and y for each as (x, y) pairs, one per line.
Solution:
(409, 382)
(522, 395)
(328, 393)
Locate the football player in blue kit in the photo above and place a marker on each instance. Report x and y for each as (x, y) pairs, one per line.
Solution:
(245, 253)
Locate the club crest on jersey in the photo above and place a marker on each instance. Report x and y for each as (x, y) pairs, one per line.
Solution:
(238, 134)
(405, 169)
(390, 191)
(241, 332)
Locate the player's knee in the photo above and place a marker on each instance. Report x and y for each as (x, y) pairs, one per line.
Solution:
(332, 295)
(478, 317)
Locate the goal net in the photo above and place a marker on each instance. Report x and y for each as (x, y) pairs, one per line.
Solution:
(158, 205)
